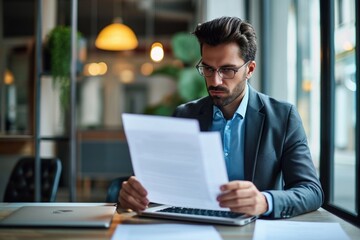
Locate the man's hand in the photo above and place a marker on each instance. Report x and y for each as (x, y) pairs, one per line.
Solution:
(242, 197)
(133, 195)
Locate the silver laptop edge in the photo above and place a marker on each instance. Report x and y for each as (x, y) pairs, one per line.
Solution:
(154, 212)
(60, 216)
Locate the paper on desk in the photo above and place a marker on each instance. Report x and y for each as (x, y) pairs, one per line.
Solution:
(284, 230)
(175, 162)
(165, 232)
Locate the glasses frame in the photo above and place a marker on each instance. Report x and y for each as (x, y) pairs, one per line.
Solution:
(218, 70)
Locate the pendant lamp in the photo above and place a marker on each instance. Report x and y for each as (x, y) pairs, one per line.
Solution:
(116, 37)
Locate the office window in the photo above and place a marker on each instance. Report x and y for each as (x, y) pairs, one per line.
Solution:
(340, 133)
(294, 62)
(331, 70)
(304, 23)
(343, 192)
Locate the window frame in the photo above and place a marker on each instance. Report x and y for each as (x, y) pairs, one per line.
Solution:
(327, 17)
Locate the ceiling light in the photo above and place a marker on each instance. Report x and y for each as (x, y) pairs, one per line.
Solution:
(8, 77)
(157, 52)
(116, 37)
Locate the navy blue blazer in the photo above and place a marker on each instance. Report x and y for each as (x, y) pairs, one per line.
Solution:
(277, 157)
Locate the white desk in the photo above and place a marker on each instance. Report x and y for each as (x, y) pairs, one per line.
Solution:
(227, 232)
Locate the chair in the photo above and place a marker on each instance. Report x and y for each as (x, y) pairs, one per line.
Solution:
(20, 187)
(114, 189)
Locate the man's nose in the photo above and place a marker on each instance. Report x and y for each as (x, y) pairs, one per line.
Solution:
(216, 79)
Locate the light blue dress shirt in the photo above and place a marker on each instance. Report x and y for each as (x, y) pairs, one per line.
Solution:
(232, 135)
(233, 138)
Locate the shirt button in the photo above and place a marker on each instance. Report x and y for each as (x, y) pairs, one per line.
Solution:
(226, 154)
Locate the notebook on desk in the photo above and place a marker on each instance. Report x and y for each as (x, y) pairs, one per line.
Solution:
(60, 216)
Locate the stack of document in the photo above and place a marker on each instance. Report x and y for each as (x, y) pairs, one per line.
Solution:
(175, 162)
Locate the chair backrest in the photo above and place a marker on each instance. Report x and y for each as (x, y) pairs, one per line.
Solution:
(114, 189)
(20, 187)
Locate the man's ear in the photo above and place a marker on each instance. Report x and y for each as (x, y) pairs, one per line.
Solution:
(250, 69)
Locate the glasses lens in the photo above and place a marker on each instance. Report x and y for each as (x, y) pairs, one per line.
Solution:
(199, 70)
(205, 71)
(227, 73)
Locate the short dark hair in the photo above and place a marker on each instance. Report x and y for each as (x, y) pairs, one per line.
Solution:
(227, 30)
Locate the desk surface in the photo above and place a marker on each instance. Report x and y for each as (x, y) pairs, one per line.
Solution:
(227, 232)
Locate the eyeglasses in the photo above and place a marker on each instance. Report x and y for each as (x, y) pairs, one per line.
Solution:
(224, 72)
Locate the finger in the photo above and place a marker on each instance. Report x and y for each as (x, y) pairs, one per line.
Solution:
(254, 205)
(136, 185)
(245, 206)
(134, 188)
(129, 190)
(132, 199)
(236, 203)
(129, 202)
(133, 195)
(235, 185)
(236, 194)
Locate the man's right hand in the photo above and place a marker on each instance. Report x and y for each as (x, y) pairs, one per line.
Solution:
(133, 195)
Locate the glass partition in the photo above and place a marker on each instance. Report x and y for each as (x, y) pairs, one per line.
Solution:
(16, 67)
(343, 192)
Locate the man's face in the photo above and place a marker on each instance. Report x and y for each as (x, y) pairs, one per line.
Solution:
(226, 56)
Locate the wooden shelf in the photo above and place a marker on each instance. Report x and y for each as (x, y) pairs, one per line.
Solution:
(16, 137)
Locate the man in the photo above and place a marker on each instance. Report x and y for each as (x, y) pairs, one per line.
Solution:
(271, 173)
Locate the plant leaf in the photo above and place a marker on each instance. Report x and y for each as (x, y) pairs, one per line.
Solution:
(186, 48)
(191, 85)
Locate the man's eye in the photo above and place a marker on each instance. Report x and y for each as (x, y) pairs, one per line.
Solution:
(226, 70)
(209, 69)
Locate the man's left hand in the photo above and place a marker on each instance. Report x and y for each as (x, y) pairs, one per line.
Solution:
(242, 197)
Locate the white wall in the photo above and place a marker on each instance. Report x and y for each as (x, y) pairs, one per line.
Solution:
(278, 49)
(48, 16)
(231, 8)
(277, 44)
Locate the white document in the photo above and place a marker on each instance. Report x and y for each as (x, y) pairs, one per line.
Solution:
(165, 232)
(176, 163)
(284, 230)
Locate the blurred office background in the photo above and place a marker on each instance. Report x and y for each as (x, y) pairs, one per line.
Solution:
(109, 83)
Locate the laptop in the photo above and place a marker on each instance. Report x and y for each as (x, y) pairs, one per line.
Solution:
(60, 216)
(169, 156)
(198, 215)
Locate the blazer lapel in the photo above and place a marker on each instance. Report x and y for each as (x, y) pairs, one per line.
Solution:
(205, 115)
(253, 129)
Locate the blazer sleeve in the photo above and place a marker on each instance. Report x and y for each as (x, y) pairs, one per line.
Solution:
(302, 191)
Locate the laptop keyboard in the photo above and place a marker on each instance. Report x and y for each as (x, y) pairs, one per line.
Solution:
(203, 212)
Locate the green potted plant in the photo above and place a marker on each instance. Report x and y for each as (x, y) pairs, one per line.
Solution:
(190, 84)
(59, 49)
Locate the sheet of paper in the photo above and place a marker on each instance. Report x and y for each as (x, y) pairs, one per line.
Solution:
(284, 230)
(176, 163)
(165, 232)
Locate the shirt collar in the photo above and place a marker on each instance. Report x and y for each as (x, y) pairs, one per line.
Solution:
(241, 110)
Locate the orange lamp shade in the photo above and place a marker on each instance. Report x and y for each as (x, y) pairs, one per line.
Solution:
(116, 37)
